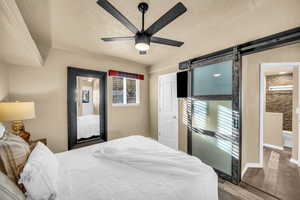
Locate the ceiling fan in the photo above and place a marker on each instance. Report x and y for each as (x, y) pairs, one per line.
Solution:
(143, 37)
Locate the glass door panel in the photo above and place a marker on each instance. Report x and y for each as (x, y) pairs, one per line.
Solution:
(212, 132)
(214, 118)
(213, 79)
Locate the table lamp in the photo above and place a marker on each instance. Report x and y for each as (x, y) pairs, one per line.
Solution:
(17, 112)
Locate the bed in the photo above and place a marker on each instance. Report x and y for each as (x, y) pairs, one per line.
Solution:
(88, 126)
(131, 168)
(117, 174)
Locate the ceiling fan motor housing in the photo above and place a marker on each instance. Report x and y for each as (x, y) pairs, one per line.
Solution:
(142, 38)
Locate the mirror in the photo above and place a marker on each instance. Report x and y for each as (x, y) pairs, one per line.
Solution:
(86, 107)
(88, 112)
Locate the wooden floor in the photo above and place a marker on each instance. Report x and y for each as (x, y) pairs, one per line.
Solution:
(279, 177)
(228, 191)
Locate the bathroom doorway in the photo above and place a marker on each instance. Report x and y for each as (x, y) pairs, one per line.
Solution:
(277, 172)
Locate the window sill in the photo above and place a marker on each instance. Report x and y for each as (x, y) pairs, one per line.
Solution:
(126, 105)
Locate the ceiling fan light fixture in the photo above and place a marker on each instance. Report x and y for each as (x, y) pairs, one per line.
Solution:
(142, 46)
(142, 42)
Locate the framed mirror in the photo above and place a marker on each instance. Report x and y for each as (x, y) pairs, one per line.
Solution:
(86, 107)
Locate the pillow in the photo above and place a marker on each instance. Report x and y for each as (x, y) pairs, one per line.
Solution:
(9, 190)
(2, 130)
(14, 152)
(40, 174)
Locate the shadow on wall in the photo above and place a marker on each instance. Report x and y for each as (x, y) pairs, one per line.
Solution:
(49, 121)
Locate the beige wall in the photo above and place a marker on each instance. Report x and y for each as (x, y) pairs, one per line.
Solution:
(251, 68)
(153, 105)
(47, 87)
(273, 129)
(3, 82)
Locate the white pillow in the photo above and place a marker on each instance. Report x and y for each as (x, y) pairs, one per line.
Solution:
(2, 130)
(40, 174)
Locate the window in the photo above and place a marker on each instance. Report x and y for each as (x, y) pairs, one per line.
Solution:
(125, 91)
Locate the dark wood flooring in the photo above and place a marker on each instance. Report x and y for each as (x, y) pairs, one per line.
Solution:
(279, 177)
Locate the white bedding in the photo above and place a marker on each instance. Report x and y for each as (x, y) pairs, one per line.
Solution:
(146, 170)
(88, 126)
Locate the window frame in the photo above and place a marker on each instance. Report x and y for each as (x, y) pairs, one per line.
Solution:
(125, 103)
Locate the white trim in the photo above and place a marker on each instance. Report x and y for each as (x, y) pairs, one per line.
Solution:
(294, 161)
(280, 64)
(251, 165)
(263, 67)
(273, 146)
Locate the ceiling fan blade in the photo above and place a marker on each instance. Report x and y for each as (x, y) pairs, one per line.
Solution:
(143, 52)
(164, 41)
(167, 18)
(112, 39)
(119, 16)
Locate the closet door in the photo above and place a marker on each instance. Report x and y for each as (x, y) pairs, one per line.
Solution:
(214, 117)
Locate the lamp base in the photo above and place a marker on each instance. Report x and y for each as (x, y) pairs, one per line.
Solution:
(18, 128)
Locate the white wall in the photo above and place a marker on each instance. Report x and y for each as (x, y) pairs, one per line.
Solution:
(273, 129)
(47, 87)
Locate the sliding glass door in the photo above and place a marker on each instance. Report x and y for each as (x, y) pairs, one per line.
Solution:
(214, 118)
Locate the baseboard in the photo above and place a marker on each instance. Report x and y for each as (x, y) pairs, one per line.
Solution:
(294, 161)
(273, 146)
(251, 165)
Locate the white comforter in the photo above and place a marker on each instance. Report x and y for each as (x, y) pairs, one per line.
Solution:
(134, 168)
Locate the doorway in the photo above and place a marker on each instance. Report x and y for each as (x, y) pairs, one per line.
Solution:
(277, 172)
(168, 110)
(282, 69)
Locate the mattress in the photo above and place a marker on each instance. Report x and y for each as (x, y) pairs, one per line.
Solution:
(88, 126)
(84, 176)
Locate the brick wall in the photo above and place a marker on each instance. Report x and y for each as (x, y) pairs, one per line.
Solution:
(280, 101)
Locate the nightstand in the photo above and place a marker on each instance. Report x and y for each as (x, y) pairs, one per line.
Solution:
(32, 143)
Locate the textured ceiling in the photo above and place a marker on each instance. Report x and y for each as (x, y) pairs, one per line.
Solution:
(208, 25)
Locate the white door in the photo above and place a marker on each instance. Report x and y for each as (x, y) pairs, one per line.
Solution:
(168, 110)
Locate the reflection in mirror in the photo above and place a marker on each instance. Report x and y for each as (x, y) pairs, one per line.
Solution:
(88, 111)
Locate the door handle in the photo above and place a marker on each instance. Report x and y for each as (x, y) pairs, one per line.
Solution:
(174, 117)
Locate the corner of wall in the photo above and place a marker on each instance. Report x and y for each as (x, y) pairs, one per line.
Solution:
(4, 82)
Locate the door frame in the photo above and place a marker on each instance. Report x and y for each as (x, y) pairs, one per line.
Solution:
(263, 67)
(158, 104)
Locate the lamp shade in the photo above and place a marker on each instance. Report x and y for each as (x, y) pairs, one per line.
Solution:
(12, 111)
